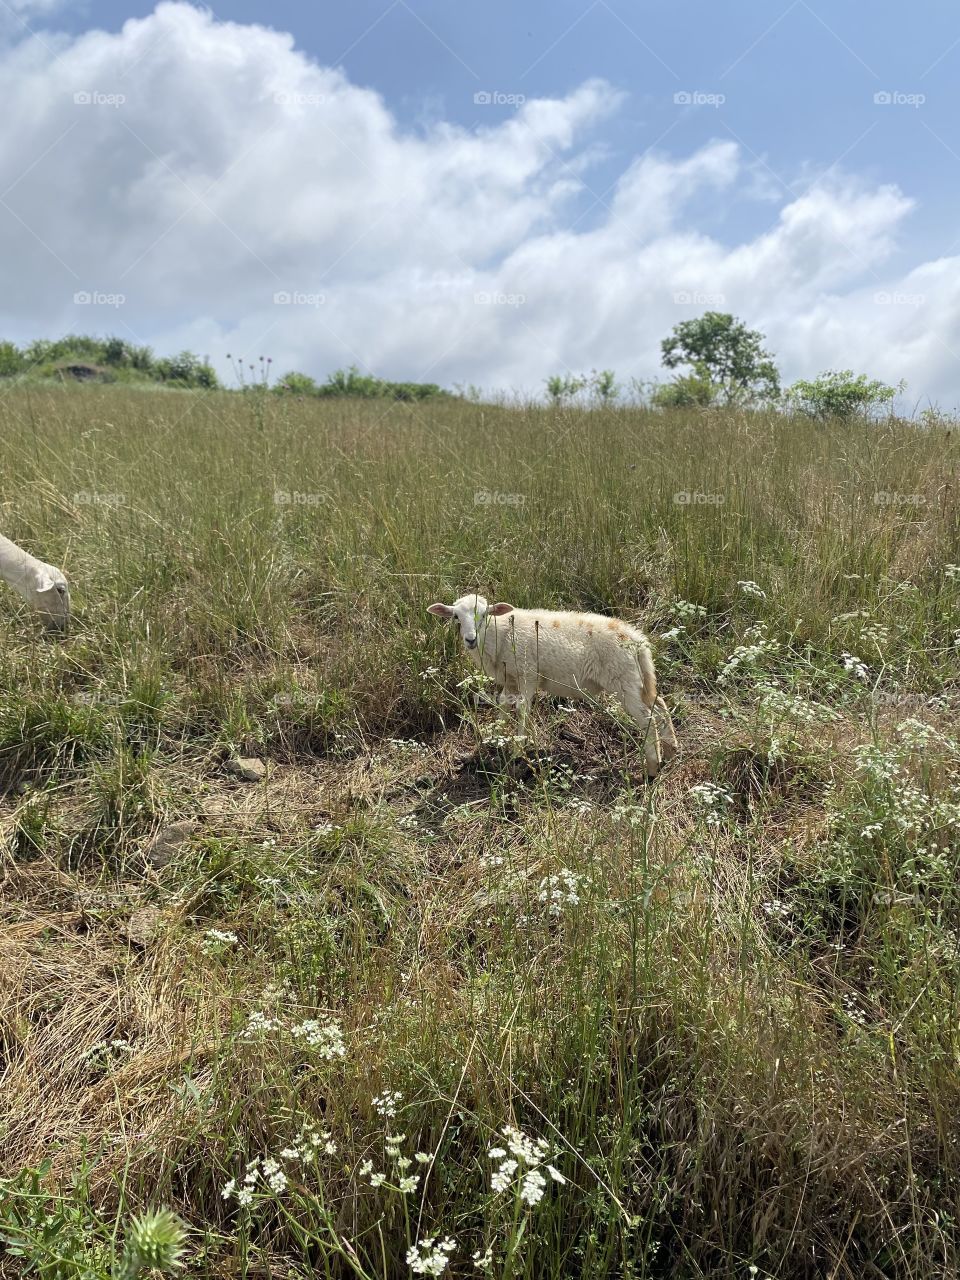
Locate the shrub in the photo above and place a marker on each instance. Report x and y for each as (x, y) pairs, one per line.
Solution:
(838, 394)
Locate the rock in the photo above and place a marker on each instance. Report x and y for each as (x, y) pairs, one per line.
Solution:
(168, 842)
(143, 925)
(247, 768)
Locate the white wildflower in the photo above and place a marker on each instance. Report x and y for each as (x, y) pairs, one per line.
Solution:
(429, 1258)
(559, 891)
(852, 663)
(325, 1037)
(713, 801)
(532, 1187)
(386, 1103)
(684, 609)
(500, 1180)
(216, 941)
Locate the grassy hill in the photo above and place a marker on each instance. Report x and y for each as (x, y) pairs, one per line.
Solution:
(726, 1005)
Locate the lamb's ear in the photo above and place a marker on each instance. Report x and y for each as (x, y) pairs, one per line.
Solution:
(45, 583)
(498, 610)
(441, 610)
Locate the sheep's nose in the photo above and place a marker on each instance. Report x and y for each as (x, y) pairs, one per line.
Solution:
(471, 644)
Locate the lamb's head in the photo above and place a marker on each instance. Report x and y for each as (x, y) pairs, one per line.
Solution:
(471, 613)
(50, 596)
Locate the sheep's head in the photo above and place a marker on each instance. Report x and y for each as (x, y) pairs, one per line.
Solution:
(471, 613)
(50, 596)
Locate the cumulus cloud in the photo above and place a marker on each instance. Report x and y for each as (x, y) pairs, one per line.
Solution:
(238, 196)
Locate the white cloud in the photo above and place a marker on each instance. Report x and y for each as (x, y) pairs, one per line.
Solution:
(198, 168)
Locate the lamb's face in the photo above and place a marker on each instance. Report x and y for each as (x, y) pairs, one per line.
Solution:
(469, 611)
(50, 596)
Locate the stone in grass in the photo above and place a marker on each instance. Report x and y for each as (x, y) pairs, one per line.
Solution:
(144, 925)
(168, 842)
(247, 768)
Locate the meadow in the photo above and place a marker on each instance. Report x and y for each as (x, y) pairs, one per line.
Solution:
(430, 996)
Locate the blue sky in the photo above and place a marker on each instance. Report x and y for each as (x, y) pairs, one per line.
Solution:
(791, 86)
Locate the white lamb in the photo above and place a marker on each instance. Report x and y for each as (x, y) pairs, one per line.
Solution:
(40, 584)
(569, 655)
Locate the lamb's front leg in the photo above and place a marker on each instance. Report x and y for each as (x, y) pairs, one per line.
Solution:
(526, 692)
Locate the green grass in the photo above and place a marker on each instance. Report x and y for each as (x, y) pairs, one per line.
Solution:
(729, 1001)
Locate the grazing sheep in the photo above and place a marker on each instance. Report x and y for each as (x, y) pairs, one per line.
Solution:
(570, 655)
(41, 585)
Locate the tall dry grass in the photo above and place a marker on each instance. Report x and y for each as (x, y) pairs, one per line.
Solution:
(727, 1001)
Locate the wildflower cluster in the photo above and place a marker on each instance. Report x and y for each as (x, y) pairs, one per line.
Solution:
(501, 740)
(430, 1257)
(521, 1164)
(684, 609)
(714, 802)
(776, 703)
(266, 1174)
(106, 1054)
(923, 829)
(749, 654)
(752, 589)
(217, 941)
(401, 1179)
(852, 663)
(636, 816)
(324, 1038)
(560, 891)
(477, 680)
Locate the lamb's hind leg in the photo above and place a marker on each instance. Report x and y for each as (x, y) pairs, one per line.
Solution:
(636, 708)
(669, 747)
